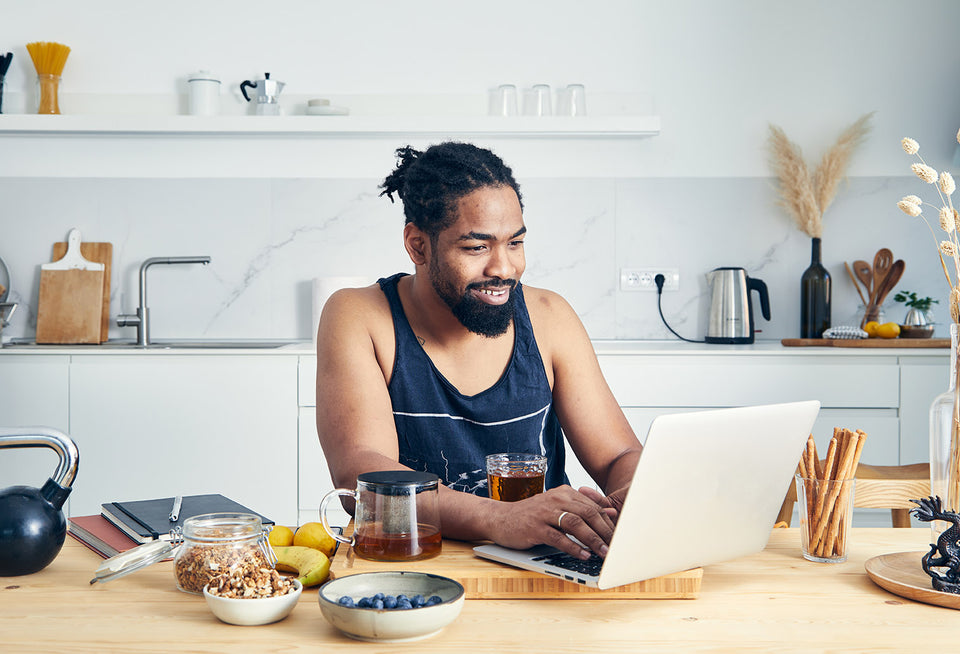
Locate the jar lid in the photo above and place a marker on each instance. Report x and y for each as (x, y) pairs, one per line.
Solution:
(132, 560)
(202, 75)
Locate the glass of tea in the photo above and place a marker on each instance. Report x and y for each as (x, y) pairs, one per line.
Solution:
(513, 476)
(397, 515)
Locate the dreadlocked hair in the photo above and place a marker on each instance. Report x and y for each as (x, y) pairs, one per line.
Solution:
(430, 183)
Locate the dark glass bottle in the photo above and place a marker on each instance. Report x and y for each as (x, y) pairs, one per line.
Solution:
(814, 296)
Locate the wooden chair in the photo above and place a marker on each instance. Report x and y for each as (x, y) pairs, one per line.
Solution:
(879, 487)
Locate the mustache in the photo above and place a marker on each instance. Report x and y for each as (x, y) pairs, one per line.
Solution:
(495, 283)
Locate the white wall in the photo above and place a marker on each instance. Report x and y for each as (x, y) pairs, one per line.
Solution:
(698, 195)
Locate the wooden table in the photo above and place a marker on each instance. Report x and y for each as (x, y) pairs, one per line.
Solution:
(774, 600)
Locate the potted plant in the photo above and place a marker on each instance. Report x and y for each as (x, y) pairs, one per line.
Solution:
(918, 313)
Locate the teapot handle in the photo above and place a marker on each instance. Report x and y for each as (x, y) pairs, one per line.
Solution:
(761, 289)
(243, 88)
(46, 437)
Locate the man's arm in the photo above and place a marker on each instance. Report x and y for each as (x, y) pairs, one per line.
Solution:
(592, 421)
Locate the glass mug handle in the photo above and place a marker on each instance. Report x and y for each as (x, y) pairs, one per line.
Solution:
(323, 512)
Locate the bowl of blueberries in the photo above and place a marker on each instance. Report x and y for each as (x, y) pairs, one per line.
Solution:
(391, 606)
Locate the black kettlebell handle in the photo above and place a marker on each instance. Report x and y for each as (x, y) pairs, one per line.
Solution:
(56, 493)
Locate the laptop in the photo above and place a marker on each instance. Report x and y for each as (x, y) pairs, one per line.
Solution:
(707, 488)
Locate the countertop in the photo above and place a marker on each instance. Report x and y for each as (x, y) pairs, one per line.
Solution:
(773, 600)
(602, 347)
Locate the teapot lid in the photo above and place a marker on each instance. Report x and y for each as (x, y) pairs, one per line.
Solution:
(395, 478)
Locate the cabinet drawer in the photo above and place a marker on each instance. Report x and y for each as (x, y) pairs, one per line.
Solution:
(307, 381)
(718, 381)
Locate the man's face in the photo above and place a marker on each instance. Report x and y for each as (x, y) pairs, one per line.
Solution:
(475, 263)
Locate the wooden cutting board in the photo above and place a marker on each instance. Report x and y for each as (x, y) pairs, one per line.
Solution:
(97, 253)
(483, 579)
(70, 305)
(867, 342)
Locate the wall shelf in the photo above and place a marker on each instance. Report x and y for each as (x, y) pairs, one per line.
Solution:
(329, 126)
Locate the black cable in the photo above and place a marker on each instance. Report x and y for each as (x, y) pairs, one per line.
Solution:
(659, 281)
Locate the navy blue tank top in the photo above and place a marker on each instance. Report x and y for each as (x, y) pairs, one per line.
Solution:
(449, 434)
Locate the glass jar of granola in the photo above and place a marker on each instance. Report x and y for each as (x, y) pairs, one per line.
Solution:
(214, 544)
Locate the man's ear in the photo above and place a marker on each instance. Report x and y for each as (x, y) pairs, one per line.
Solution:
(416, 243)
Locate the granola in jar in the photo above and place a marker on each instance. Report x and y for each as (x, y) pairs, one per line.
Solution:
(215, 544)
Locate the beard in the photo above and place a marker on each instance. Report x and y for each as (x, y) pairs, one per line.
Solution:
(488, 320)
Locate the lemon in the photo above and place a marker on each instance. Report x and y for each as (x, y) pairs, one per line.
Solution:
(281, 536)
(888, 330)
(871, 328)
(312, 534)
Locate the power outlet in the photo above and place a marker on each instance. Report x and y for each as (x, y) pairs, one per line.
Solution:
(641, 279)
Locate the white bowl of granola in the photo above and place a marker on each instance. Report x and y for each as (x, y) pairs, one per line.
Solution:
(258, 597)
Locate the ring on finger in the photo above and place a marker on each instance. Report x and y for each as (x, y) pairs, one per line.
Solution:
(560, 519)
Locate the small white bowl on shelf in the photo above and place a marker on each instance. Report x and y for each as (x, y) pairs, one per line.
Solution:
(391, 625)
(251, 612)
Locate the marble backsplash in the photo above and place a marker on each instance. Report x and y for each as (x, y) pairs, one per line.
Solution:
(270, 238)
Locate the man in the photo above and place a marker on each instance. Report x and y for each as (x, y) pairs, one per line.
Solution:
(434, 370)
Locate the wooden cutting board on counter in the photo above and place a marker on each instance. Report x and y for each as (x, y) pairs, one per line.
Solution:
(70, 306)
(483, 579)
(97, 253)
(867, 342)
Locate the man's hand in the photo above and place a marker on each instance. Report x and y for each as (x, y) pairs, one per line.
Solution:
(612, 503)
(547, 518)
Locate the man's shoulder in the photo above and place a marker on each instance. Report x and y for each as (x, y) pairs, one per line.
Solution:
(367, 305)
(544, 304)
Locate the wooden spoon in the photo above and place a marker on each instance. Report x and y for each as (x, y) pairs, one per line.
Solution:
(891, 279)
(881, 268)
(864, 273)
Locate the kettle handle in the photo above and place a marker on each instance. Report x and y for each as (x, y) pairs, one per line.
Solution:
(243, 88)
(761, 289)
(46, 437)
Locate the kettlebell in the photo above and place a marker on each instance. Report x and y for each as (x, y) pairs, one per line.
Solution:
(32, 524)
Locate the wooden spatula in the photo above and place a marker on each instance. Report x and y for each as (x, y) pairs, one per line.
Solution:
(891, 279)
(881, 268)
(864, 273)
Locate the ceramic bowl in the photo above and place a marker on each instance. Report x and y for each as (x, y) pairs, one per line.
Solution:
(249, 612)
(391, 625)
(916, 331)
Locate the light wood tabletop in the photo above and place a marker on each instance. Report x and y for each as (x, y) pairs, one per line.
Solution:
(774, 600)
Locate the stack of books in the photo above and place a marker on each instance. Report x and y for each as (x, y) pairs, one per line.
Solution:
(124, 525)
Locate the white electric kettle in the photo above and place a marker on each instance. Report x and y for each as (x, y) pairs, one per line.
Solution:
(731, 313)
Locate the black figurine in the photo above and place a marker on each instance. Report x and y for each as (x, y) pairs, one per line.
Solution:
(948, 545)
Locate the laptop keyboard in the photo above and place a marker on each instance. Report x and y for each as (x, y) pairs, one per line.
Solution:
(563, 560)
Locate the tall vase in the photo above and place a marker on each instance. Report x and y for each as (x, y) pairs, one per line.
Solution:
(814, 296)
(945, 440)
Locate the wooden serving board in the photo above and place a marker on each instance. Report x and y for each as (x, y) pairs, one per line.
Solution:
(70, 305)
(867, 342)
(901, 574)
(98, 253)
(483, 579)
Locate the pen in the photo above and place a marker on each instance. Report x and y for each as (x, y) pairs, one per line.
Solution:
(175, 511)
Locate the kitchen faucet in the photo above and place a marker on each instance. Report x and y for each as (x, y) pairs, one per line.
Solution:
(142, 320)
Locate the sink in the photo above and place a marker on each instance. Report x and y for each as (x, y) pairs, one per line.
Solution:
(171, 344)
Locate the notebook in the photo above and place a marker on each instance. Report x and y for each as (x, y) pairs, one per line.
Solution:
(147, 520)
(707, 488)
(99, 535)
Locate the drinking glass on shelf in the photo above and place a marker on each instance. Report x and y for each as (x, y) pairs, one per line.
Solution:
(572, 101)
(504, 101)
(536, 101)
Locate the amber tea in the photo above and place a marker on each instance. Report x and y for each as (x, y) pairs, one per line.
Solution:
(377, 545)
(512, 477)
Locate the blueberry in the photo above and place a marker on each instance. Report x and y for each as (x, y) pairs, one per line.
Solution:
(404, 604)
(345, 600)
(434, 599)
(364, 603)
(379, 596)
(417, 601)
(401, 597)
(377, 604)
(389, 602)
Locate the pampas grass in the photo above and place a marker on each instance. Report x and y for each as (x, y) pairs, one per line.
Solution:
(806, 196)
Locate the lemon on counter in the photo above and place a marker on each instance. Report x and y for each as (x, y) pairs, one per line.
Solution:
(281, 536)
(312, 534)
(888, 330)
(871, 328)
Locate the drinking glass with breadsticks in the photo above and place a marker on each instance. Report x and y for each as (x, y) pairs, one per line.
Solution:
(825, 494)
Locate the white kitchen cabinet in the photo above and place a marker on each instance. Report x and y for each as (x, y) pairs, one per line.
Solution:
(33, 392)
(157, 426)
(315, 481)
(921, 380)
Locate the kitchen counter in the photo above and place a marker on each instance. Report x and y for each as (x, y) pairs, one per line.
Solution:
(602, 347)
(773, 600)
